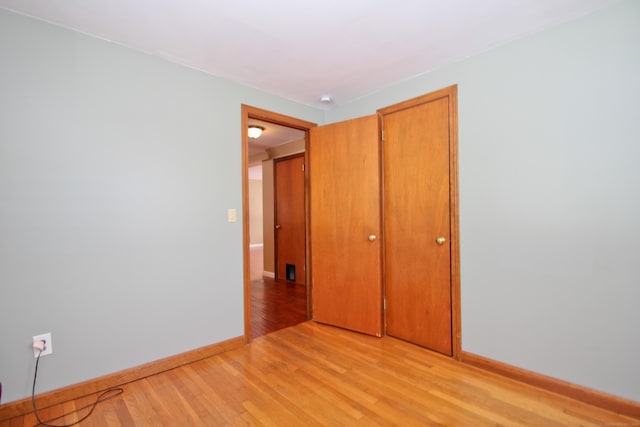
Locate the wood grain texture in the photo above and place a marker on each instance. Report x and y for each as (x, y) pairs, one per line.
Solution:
(290, 233)
(317, 375)
(23, 406)
(418, 155)
(451, 92)
(346, 270)
(276, 305)
(574, 391)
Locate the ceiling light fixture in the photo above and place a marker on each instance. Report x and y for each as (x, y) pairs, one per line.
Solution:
(255, 131)
(326, 99)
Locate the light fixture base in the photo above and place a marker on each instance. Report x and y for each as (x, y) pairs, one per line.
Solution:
(255, 131)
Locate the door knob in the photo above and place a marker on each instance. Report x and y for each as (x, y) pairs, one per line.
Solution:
(278, 226)
(441, 240)
(372, 237)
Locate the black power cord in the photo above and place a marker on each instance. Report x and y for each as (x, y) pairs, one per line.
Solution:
(105, 395)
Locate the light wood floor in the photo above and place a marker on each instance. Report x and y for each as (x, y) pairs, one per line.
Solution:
(316, 375)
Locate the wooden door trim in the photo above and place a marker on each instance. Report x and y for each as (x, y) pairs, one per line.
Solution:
(248, 112)
(451, 93)
(289, 157)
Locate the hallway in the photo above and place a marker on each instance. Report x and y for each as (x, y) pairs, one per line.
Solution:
(275, 304)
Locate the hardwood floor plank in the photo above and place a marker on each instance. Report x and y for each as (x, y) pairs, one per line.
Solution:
(276, 304)
(122, 413)
(317, 375)
(513, 397)
(255, 379)
(227, 390)
(329, 377)
(192, 395)
(329, 406)
(411, 408)
(168, 398)
(203, 396)
(245, 419)
(147, 414)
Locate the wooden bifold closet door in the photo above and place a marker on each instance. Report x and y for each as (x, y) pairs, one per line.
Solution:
(417, 220)
(384, 242)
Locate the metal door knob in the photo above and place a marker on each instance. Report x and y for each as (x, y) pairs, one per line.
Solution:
(372, 237)
(278, 226)
(441, 240)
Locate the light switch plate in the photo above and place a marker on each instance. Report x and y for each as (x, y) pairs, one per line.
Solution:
(231, 215)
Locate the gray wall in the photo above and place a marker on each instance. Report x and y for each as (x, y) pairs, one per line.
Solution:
(116, 172)
(549, 147)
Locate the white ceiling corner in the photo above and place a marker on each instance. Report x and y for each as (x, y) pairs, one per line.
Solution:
(301, 50)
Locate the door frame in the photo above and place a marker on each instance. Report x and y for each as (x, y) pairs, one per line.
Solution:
(248, 112)
(450, 92)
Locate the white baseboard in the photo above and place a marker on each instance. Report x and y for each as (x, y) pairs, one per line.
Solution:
(270, 274)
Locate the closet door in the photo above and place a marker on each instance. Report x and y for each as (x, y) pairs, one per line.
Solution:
(419, 182)
(344, 163)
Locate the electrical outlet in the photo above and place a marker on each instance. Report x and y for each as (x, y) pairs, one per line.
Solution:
(48, 345)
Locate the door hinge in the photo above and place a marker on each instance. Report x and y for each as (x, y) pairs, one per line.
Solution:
(303, 167)
(382, 134)
(384, 304)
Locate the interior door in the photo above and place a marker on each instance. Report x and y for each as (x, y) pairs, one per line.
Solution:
(417, 224)
(344, 162)
(290, 219)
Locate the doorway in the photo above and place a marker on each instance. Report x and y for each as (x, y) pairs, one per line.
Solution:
(266, 295)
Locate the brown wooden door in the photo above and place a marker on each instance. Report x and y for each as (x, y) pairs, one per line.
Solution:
(344, 161)
(290, 219)
(417, 207)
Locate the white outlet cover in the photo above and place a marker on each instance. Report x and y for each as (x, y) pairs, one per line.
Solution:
(48, 349)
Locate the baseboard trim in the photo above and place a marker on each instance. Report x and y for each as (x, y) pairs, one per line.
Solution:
(269, 274)
(74, 391)
(593, 397)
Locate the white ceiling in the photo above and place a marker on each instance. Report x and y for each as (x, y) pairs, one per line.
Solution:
(302, 49)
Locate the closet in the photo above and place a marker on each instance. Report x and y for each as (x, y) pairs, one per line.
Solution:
(383, 223)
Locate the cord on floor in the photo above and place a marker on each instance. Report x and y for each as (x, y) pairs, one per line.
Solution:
(105, 395)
